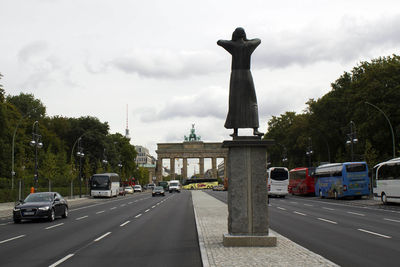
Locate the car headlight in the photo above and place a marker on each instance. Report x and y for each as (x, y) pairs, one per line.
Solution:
(17, 209)
(44, 208)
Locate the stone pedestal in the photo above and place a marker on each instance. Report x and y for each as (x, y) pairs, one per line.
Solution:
(247, 193)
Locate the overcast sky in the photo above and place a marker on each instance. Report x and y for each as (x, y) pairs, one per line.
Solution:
(94, 57)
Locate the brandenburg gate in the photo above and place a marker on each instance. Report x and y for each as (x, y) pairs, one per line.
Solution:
(192, 147)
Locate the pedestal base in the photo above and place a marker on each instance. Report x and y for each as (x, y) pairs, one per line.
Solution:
(249, 240)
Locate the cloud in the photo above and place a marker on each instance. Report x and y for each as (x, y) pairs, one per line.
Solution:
(207, 103)
(351, 40)
(167, 63)
(32, 50)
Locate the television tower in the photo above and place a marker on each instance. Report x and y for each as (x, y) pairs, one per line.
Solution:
(127, 129)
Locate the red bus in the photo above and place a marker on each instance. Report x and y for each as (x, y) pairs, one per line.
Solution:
(302, 181)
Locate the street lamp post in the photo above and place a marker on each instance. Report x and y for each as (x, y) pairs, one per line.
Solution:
(36, 143)
(391, 128)
(352, 138)
(309, 151)
(80, 154)
(104, 161)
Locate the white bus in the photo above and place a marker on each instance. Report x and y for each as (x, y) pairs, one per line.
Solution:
(278, 181)
(386, 179)
(104, 185)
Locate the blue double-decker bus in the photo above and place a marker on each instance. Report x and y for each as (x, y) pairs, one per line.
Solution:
(337, 180)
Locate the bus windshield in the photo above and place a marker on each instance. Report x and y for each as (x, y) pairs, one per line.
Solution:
(279, 174)
(100, 182)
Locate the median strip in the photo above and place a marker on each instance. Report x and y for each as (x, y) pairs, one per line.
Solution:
(62, 260)
(373, 233)
(101, 237)
(10, 239)
(53, 226)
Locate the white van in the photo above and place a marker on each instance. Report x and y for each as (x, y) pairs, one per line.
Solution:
(174, 185)
(278, 181)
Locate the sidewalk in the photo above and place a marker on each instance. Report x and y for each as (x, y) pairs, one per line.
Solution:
(212, 220)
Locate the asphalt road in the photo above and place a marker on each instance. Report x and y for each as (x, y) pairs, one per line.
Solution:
(348, 233)
(135, 230)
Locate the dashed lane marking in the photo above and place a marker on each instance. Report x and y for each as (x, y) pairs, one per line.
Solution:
(53, 226)
(325, 208)
(125, 223)
(299, 213)
(113, 208)
(355, 213)
(100, 212)
(391, 220)
(101, 237)
(137, 216)
(328, 221)
(80, 218)
(147, 210)
(10, 239)
(281, 208)
(62, 260)
(373, 233)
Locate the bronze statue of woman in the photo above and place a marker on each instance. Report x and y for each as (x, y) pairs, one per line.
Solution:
(243, 108)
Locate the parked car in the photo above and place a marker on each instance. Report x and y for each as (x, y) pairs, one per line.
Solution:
(44, 205)
(122, 191)
(158, 191)
(129, 190)
(137, 188)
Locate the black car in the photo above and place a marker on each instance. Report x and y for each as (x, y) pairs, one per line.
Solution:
(158, 191)
(45, 205)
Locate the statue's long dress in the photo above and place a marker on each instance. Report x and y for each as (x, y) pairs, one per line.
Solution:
(243, 108)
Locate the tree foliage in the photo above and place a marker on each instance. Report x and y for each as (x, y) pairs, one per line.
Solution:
(57, 159)
(326, 120)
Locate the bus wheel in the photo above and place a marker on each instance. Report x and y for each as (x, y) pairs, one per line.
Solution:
(384, 199)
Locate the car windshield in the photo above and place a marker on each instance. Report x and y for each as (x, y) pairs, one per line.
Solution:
(173, 184)
(158, 188)
(137, 186)
(38, 197)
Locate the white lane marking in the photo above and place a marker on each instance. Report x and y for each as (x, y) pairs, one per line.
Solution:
(293, 202)
(5, 223)
(355, 213)
(125, 223)
(373, 233)
(137, 216)
(328, 221)
(62, 260)
(302, 214)
(135, 201)
(113, 208)
(147, 210)
(130, 202)
(101, 237)
(325, 208)
(309, 205)
(80, 218)
(13, 238)
(281, 208)
(123, 205)
(100, 212)
(153, 207)
(54, 226)
(391, 220)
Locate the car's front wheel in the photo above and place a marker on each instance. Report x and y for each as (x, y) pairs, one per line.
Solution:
(52, 215)
(65, 214)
